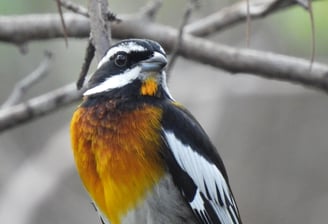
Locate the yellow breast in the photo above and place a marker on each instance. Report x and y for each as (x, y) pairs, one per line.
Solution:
(117, 155)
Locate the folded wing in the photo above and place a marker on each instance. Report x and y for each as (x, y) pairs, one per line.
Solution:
(197, 169)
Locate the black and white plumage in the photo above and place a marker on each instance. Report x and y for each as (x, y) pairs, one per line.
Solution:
(191, 160)
(197, 169)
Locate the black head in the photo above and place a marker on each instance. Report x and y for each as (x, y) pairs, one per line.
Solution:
(131, 67)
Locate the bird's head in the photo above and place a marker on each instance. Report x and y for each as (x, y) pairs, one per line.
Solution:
(130, 68)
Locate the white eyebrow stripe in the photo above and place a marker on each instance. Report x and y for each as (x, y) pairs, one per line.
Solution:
(115, 81)
(126, 47)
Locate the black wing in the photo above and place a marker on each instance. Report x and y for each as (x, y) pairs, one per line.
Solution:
(196, 167)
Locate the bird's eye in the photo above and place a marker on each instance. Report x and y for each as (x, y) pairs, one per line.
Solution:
(121, 59)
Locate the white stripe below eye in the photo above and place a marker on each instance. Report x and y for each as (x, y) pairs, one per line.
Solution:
(115, 81)
(202, 172)
(126, 47)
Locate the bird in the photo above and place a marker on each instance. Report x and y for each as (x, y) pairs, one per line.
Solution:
(142, 156)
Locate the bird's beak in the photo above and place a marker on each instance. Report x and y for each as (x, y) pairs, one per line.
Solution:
(154, 64)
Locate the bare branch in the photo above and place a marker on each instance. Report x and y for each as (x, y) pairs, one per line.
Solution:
(151, 9)
(174, 53)
(21, 87)
(72, 6)
(264, 64)
(313, 42)
(79, 9)
(62, 21)
(21, 29)
(89, 55)
(269, 65)
(99, 27)
(107, 16)
(38, 106)
(304, 3)
(236, 13)
(248, 24)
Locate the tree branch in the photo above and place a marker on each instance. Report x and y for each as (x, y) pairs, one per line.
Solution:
(236, 13)
(72, 6)
(60, 11)
(264, 64)
(89, 55)
(185, 19)
(22, 29)
(268, 65)
(38, 106)
(151, 9)
(21, 87)
(100, 29)
(79, 9)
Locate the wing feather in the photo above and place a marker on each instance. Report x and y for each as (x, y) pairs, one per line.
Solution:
(191, 151)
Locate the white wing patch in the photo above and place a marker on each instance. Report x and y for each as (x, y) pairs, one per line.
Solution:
(125, 46)
(115, 81)
(207, 178)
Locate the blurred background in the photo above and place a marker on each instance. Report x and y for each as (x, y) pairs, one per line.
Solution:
(272, 135)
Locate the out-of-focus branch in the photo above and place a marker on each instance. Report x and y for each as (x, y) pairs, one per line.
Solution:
(264, 64)
(72, 6)
(268, 65)
(38, 106)
(22, 86)
(60, 11)
(248, 24)
(185, 19)
(37, 176)
(310, 10)
(236, 13)
(151, 9)
(81, 10)
(22, 29)
(89, 54)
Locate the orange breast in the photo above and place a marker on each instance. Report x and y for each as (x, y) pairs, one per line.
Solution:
(117, 155)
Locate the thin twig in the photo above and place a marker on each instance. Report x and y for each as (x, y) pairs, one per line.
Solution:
(81, 10)
(151, 9)
(38, 106)
(259, 63)
(303, 3)
(21, 87)
(234, 14)
(248, 24)
(46, 27)
(62, 21)
(263, 64)
(76, 8)
(89, 55)
(174, 53)
(313, 42)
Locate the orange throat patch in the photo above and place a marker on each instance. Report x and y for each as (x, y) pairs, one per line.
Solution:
(149, 86)
(117, 155)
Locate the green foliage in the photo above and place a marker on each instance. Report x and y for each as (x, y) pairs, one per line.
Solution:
(10, 7)
(296, 26)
